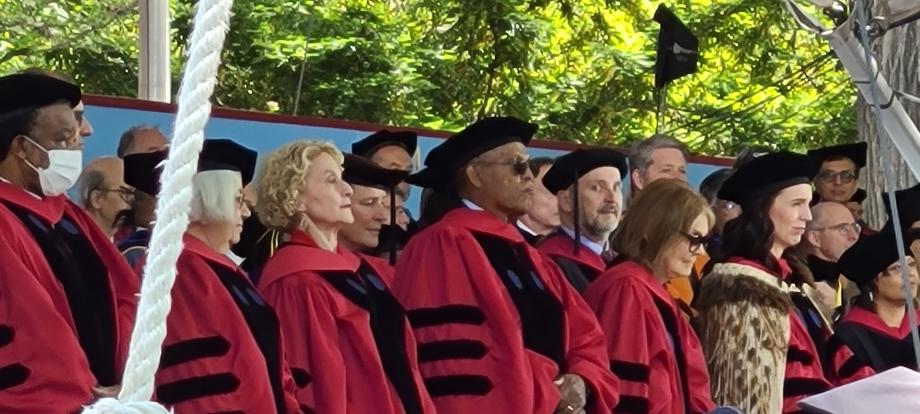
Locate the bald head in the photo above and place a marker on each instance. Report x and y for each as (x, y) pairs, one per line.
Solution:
(831, 232)
(141, 139)
(102, 191)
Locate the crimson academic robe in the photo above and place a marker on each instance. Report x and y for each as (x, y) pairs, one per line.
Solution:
(580, 268)
(348, 341)
(863, 345)
(652, 348)
(223, 350)
(496, 321)
(66, 305)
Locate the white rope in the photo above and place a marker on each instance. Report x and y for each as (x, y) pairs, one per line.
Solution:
(210, 27)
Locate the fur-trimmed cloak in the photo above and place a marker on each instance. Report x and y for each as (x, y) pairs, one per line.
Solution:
(759, 354)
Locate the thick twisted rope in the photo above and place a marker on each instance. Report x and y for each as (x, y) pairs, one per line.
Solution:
(210, 27)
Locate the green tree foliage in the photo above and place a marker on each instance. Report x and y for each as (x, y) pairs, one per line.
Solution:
(582, 69)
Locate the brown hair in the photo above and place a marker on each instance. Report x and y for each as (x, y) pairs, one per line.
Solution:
(655, 218)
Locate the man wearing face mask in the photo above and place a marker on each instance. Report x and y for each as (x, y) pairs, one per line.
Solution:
(69, 298)
(587, 187)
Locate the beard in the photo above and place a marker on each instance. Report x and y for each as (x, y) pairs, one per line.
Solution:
(603, 222)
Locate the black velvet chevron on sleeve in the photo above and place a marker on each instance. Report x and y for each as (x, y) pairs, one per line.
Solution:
(443, 315)
(193, 349)
(446, 385)
(197, 387)
(630, 371)
(631, 404)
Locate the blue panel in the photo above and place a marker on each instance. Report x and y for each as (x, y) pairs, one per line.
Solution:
(109, 123)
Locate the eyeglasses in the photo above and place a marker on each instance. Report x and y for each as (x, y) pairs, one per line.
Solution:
(520, 167)
(241, 202)
(842, 228)
(696, 241)
(831, 177)
(125, 194)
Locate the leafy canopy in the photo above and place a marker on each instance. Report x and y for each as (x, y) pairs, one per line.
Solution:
(582, 69)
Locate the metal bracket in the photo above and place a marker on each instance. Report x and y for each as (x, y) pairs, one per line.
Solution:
(851, 54)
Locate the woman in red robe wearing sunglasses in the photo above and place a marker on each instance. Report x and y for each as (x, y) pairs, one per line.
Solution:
(661, 367)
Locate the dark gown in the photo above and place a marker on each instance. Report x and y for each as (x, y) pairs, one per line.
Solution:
(67, 304)
(864, 345)
(653, 349)
(496, 320)
(348, 340)
(580, 268)
(223, 350)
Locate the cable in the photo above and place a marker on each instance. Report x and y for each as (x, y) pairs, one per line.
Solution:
(726, 113)
(888, 174)
(718, 112)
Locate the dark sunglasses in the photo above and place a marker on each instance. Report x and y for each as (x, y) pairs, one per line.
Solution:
(696, 241)
(520, 167)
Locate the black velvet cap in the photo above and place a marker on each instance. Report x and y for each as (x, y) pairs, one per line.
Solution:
(369, 145)
(443, 162)
(142, 171)
(908, 206)
(871, 254)
(224, 154)
(677, 48)
(855, 152)
(22, 93)
(767, 173)
(360, 171)
(575, 164)
(823, 270)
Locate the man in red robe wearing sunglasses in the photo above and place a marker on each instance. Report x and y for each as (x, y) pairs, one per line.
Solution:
(498, 328)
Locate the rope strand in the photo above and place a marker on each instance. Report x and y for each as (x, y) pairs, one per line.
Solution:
(210, 28)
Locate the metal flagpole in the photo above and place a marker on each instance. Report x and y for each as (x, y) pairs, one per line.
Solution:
(153, 78)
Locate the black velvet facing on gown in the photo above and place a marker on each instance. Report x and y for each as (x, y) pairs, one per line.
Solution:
(366, 289)
(84, 278)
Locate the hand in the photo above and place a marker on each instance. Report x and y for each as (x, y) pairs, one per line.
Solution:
(573, 394)
(106, 392)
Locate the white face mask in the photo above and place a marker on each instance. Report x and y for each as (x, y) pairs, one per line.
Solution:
(64, 168)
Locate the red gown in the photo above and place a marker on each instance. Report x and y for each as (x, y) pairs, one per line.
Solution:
(45, 367)
(463, 280)
(343, 360)
(890, 347)
(579, 268)
(652, 348)
(223, 349)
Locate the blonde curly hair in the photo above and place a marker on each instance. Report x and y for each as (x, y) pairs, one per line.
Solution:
(280, 186)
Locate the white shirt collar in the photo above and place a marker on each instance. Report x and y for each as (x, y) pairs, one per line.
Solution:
(471, 205)
(524, 227)
(591, 245)
(233, 256)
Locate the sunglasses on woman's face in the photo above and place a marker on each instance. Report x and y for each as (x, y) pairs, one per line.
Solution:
(696, 241)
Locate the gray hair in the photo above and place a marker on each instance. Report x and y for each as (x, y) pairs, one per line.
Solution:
(214, 196)
(89, 181)
(640, 156)
(127, 138)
